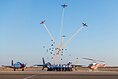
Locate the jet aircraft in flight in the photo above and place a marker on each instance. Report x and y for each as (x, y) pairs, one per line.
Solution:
(85, 25)
(42, 22)
(64, 5)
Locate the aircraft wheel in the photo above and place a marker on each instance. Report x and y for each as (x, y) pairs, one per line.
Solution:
(22, 69)
(14, 69)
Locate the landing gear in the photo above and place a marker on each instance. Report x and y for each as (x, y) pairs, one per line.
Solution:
(14, 69)
(23, 69)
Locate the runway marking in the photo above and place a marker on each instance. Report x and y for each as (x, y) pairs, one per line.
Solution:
(29, 77)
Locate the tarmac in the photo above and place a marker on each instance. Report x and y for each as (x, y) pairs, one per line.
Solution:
(58, 75)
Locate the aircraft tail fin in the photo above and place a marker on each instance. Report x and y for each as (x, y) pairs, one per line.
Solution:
(43, 61)
(12, 63)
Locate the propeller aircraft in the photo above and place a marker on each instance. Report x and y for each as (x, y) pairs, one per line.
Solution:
(17, 65)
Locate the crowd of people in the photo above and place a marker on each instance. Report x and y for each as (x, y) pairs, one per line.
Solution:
(59, 67)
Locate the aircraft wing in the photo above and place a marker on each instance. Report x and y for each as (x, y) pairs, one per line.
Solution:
(43, 66)
(88, 59)
(7, 66)
(39, 65)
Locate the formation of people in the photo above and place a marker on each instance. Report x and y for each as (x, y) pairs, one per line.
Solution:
(59, 67)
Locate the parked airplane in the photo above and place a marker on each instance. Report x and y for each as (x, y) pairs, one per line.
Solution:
(44, 65)
(94, 65)
(57, 67)
(17, 65)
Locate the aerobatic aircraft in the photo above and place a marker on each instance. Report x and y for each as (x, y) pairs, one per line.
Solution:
(17, 65)
(64, 5)
(94, 65)
(85, 25)
(42, 22)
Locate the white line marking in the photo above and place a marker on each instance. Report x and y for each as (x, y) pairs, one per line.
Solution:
(29, 77)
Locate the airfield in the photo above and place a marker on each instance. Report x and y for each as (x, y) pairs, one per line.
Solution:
(57, 75)
(80, 73)
(56, 51)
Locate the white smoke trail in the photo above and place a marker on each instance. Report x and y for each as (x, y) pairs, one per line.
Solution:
(62, 19)
(55, 57)
(68, 41)
(49, 34)
(61, 28)
(61, 44)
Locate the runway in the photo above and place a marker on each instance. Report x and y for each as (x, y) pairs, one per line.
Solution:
(57, 75)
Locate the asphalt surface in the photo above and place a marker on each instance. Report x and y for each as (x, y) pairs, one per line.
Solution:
(57, 75)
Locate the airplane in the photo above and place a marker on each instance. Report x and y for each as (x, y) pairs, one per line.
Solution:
(64, 5)
(93, 66)
(85, 25)
(63, 36)
(58, 67)
(42, 22)
(44, 65)
(17, 65)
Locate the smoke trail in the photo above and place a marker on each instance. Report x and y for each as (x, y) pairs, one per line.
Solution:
(61, 43)
(62, 19)
(49, 34)
(68, 41)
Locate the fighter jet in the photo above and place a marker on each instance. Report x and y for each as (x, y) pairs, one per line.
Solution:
(17, 65)
(42, 22)
(63, 36)
(85, 25)
(64, 5)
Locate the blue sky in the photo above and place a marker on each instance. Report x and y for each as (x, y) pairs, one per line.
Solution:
(22, 37)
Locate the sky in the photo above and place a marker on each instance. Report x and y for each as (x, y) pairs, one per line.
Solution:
(22, 37)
